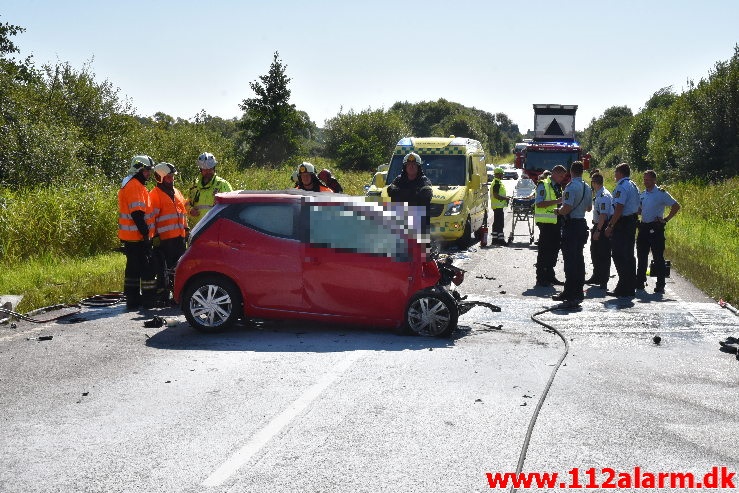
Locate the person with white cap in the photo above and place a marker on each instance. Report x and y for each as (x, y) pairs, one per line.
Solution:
(170, 224)
(202, 195)
(308, 180)
(135, 230)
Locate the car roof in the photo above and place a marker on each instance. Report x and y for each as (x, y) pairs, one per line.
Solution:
(287, 195)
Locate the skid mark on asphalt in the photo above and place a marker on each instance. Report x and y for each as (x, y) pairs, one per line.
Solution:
(263, 436)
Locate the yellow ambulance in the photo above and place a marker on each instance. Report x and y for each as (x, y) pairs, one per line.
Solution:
(456, 168)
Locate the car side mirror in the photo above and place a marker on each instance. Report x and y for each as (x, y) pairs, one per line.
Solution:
(475, 181)
(380, 180)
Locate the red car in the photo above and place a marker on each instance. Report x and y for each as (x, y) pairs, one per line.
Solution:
(302, 255)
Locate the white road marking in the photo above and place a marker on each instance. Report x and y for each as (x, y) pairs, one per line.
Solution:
(260, 439)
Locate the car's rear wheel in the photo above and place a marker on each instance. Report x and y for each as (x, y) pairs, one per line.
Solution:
(212, 304)
(431, 313)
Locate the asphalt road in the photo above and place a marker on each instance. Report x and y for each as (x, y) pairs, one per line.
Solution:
(107, 405)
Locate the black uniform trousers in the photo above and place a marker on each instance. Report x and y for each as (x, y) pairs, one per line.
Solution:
(651, 237)
(574, 238)
(600, 255)
(498, 223)
(550, 238)
(139, 284)
(623, 238)
(169, 252)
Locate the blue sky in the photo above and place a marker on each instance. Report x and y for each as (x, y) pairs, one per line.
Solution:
(179, 57)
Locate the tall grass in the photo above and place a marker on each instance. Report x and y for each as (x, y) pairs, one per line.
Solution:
(74, 220)
(50, 280)
(703, 239)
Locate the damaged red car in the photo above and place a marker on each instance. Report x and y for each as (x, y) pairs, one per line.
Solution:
(302, 255)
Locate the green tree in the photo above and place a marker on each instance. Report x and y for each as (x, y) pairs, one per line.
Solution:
(442, 118)
(460, 124)
(604, 138)
(273, 131)
(636, 145)
(363, 140)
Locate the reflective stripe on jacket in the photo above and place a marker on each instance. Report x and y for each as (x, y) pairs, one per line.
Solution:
(202, 197)
(546, 214)
(495, 203)
(133, 196)
(170, 216)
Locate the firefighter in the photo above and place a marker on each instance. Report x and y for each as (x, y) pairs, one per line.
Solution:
(412, 187)
(653, 202)
(575, 203)
(548, 197)
(308, 180)
(621, 230)
(498, 203)
(170, 222)
(202, 195)
(135, 230)
(331, 182)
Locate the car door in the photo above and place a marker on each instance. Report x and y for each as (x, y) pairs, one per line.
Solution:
(356, 263)
(265, 255)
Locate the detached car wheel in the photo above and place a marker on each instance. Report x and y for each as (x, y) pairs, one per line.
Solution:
(212, 304)
(431, 313)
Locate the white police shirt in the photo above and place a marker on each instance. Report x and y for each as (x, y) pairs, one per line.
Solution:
(626, 193)
(653, 204)
(577, 195)
(602, 204)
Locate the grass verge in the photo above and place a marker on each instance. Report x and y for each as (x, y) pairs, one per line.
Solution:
(51, 280)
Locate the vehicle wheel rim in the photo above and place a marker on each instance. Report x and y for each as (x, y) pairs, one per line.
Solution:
(429, 316)
(211, 305)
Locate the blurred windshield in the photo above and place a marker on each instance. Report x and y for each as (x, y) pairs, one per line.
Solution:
(441, 170)
(540, 161)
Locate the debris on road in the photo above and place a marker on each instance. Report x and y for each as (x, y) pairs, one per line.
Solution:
(155, 322)
(40, 338)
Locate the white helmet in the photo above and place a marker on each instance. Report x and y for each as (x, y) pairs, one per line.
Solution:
(207, 161)
(412, 156)
(140, 162)
(306, 167)
(163, 169)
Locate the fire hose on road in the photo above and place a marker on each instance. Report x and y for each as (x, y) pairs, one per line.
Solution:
(98, 300)
(532, 422)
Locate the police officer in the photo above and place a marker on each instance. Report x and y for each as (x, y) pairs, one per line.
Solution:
(575, 203)
(621, 229)
(549, 224)
(498, 203)
(600, 245)
(654, 200)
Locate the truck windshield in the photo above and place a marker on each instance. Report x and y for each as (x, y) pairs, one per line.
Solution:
(441, 170)
(543, 160)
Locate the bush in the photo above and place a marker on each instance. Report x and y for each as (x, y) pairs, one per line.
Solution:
(363, 140)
